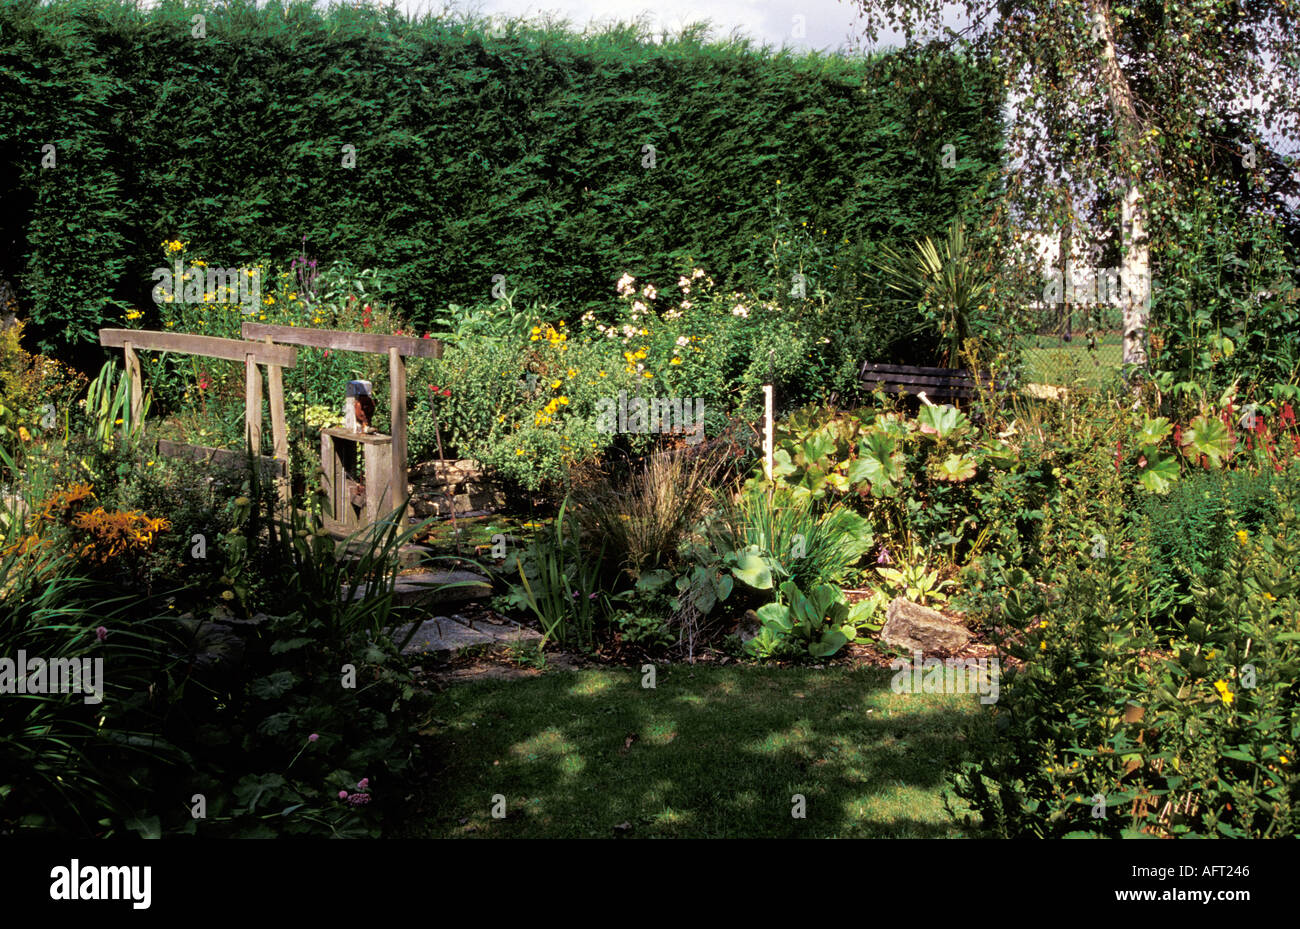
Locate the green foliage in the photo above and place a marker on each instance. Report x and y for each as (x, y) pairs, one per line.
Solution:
(561, 584)
(795, 541)
(108, 406)
(915, 579)
(1193, 734)
(1190, 530)
(816, 624)
(950, 286)
(534, 136)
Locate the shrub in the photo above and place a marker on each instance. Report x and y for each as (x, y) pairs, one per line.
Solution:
(1112, 729)
(1190, 530)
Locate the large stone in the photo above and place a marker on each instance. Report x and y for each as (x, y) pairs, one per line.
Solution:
(914, 627)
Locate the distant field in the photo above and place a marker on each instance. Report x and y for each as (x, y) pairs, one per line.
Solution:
(1050, 360)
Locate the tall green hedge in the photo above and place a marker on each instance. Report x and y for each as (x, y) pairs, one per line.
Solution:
(519, 154)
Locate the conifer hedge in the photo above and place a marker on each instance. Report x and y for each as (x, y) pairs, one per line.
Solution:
(518, 151)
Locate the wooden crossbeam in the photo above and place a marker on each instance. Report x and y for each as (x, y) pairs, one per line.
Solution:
(210, 346)
(222, 457)
(343, 341)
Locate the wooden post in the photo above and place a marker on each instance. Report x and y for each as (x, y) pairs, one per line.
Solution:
(397, 415)
(253, 404)
(132, 361)
(768, 432)
(279, 429)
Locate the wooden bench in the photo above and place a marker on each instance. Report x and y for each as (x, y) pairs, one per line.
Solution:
(940, 385)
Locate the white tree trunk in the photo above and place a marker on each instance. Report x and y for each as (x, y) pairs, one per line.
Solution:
(1136, 276)
(1135, 273)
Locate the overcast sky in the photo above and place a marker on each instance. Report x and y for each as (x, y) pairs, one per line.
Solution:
(826, 25)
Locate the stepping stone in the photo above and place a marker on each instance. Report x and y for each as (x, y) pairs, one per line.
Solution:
(447, 634)
(408, 556)
(441, 635)
(431, 587)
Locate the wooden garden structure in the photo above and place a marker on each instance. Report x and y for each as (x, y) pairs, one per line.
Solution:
(384, 456)
(272, 346)
(275, 357)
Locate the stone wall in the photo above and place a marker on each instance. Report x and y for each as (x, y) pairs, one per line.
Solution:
(436, 484)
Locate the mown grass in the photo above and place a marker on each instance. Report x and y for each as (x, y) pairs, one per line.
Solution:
(708, 753)
(1050, 360)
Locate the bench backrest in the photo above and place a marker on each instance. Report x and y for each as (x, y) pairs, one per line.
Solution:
(942, 385)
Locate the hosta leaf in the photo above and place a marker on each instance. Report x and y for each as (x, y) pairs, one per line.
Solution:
(775, 615)
(752, 569)
(830, 643)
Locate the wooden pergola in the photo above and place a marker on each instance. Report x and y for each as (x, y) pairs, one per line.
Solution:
(272, 346)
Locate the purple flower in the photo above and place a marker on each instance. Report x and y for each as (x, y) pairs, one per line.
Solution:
(883, 557)
(363, 783)
(313, 737)
(101, 633)
(359, 799)
(343, 794)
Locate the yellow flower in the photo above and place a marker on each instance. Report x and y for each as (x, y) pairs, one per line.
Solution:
(1269, 596)
(648, 374)
(170, 324)
(134, 314)
(1242, 536)
(572, 373)
(563, 400)
(1283, 759)
(519, 451)
(601, 373)
(1042, 646)
(675, 361)
(117, 422)
(24, 434)
(1224, 693)
(148, 464)
(555, 385)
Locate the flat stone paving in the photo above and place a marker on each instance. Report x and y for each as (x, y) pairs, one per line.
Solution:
(432, 587)
(450, 634)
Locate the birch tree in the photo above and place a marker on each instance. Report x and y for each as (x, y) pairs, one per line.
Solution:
(1124, 105)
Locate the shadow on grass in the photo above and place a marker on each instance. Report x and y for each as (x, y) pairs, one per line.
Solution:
(707, 753)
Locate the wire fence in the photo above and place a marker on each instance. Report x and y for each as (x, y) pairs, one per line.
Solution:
(1070, 345)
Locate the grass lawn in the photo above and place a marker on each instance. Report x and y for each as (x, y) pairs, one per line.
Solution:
(1064, 364)
(711, 752)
